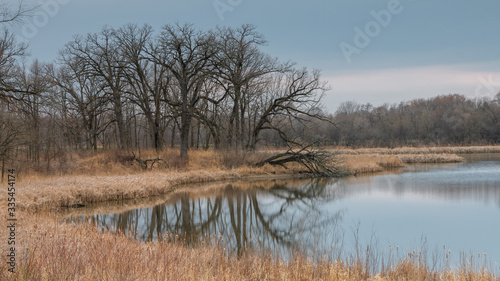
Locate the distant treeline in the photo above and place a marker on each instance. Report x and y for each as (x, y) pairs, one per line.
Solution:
(443, 120)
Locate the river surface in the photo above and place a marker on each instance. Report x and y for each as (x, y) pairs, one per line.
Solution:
(440, 209)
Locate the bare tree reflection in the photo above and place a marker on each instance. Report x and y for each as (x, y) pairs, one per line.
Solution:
(278, 217)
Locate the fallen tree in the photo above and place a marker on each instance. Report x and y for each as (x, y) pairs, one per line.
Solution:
(319, 163)
(144, 163)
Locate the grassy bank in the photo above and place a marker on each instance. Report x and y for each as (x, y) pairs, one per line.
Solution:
(373, 162)
(421, 150)
(105, 176)
(82, 179)
(48, 250)
(53, 251)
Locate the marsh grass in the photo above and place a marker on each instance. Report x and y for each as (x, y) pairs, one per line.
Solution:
(113, 176)
(373, 162)
(421, 150)
(52, 251)
(49, 250)
(105, 176)
(370, 163)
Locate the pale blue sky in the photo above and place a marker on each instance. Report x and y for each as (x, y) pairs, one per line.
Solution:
(426, 47)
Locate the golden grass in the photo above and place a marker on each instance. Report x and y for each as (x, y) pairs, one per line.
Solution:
(420, 150)
(372, 163)
(430, 158)
(104, 176)
(369, 163)
(49, 250)
(373, 160)
(66, 191)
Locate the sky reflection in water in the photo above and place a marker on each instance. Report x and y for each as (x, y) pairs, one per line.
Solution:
(421, 206)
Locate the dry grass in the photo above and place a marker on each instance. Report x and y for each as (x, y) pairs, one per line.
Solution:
(66, 191)
(49, 250)
(52, 251)
(373, 160)
(372, 163)
(112, 162)
(370, 160)
(421, 150)
(430, 158)
(106, 176)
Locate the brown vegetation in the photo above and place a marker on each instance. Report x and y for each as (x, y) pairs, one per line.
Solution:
(370, 160)
(443, 120)
(372, 163)
(81, 179)
(109, 176)
(45, 245)
(422, 150)
(52, 251)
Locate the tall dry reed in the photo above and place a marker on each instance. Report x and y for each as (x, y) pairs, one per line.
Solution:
(53, 251)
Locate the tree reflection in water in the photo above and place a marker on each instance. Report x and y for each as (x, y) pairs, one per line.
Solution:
(278, 217)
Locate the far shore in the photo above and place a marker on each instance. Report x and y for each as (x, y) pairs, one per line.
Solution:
(96, 178)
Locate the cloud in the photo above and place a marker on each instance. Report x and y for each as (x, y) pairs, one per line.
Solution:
(401, 84)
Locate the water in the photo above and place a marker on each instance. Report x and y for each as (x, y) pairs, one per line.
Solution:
(439, 208)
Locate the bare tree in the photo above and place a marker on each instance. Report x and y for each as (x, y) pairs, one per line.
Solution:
(10, 52)
(80, 92)
(185, 52)
(147, 80)
(13, 13)
(238, 63)
(100, 55)
(290, 96)
(10, 131)
(31, 107)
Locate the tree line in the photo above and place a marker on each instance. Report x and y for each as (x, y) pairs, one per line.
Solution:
(133, 88)
(443, 120)
(130, 88)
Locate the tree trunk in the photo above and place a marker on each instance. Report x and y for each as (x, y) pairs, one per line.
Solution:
(122, 132)
(3, 167)
(185, 123)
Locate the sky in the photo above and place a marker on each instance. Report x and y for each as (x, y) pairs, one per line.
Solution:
(371, 51)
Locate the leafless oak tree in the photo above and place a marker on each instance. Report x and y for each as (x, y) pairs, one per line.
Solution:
(100, 55)
(185, 52)
(10, 52)
(239, 63)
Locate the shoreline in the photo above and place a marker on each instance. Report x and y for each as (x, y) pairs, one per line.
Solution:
(53, 193)
(45, 244)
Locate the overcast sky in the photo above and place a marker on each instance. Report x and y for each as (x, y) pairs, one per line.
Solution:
(377, 51)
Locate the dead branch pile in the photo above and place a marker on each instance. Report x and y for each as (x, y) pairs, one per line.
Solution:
(149, 163)
(320, 163)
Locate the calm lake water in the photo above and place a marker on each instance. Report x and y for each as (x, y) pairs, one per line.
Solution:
(439, 208)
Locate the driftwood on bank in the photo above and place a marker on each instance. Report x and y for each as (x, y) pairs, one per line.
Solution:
(320, 163)
(149, 163)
